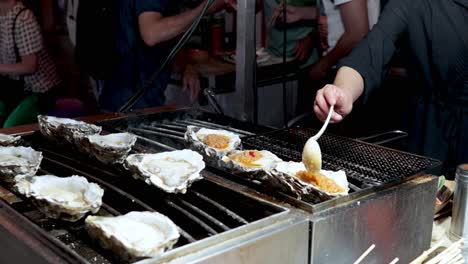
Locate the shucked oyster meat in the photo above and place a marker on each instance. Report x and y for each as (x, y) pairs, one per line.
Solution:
(69, 198)
(212, 143)
(134, 235)
(252, 160)
(18, 160)
(112, 148)
(302, 182)
(172, 172)
(64, 128)
(8, 140)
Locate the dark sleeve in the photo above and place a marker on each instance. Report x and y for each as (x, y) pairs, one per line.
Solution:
(159, 6)
(372, 56)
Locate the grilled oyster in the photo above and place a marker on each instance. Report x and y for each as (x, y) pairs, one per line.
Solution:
(251, 160)
(68, 198)
(18, 160)
(301, 182)
(172, 172)
(112, 148)
(134, 235)
(8, 140)
(211, 143)
(64, 128)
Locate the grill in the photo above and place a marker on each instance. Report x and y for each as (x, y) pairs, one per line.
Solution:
(225, 217)
(366, 165)
(206, 210)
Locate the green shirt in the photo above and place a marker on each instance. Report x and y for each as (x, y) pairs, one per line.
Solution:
(294, 33)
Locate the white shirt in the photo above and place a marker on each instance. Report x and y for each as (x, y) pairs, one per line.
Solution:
(335, 24)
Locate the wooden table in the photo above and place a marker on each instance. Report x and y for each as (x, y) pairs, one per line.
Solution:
(28, 129)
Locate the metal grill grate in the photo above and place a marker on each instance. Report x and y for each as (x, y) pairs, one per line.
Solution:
(206, 210)
(366, 163)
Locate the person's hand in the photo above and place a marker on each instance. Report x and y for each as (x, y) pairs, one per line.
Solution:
(191, 82)
(231, 5)
(333, 95)
(296, 13)
(303, 48)
(318, 71)
(293, 14)
(218, 5)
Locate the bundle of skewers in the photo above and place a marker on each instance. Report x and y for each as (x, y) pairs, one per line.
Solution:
(450, 255)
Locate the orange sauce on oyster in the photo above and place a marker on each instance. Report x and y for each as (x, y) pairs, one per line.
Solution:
(248, 158)
(217, 141)
(321, 181)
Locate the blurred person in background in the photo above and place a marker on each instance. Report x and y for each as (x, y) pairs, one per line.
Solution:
(342, 23)
(438, 70)
(28, 78)
(146, 32)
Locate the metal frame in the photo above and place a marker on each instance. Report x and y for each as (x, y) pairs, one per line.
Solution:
(246, 60)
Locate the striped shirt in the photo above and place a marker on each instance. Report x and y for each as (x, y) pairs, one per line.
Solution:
(29, 41)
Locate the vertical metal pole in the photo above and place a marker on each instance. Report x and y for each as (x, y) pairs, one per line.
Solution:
(246, 59)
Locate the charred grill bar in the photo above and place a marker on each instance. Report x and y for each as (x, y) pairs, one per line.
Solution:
(225, 216)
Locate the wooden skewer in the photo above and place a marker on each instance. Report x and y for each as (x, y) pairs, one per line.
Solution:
(364, 255)
(395, 261)
(275, 15)
(439, 257)
(426, 253)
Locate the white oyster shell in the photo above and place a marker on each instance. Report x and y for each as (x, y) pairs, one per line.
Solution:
(18, 161)
(195, 136)
(68, 199)
(134, 235)
(111, 148)
(172, 172)
(266, 163)
(8, 140)
(287, 171)
(64, 128)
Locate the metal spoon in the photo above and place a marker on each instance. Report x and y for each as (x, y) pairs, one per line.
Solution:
(312, 155)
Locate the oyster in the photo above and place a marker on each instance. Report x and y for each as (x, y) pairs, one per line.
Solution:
(68, 198)
(134, 235)
(172, 172)
(18, 160)
(8, 140)
(211, 143)
(64, 128)
(112, 148)
(252, 160)
(330, 183)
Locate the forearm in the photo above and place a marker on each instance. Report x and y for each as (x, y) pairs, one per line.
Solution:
(351, 81)
(309, 13)
(167, 28)
(17, 69)
(343, 47)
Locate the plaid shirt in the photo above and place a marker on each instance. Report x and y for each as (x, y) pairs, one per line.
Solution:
(29, 41)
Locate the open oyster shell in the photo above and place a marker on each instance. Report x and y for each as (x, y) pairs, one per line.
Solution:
(8, 140)
(286, 173)
(64, 128)
(112, 148)
(68, 199)
(172, 172)
(18, 161)
(134, 235)
(266, 163)
(195, 137)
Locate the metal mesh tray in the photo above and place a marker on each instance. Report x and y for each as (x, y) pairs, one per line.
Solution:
(366, 163)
